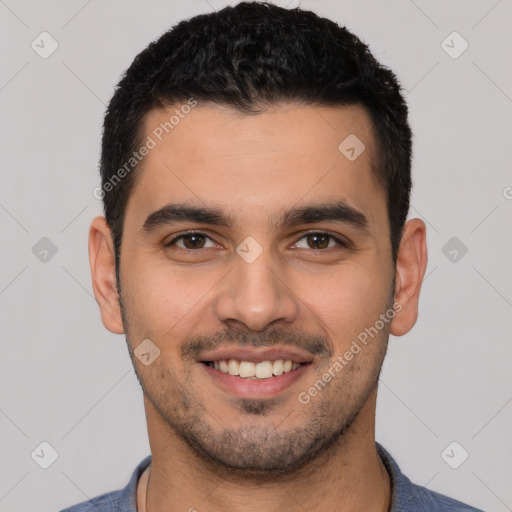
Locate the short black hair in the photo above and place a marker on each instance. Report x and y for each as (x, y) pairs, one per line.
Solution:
(250, 57)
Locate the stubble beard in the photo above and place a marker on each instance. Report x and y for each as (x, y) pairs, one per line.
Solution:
(258, 451)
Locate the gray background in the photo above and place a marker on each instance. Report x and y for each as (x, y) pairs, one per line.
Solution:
(67, 381)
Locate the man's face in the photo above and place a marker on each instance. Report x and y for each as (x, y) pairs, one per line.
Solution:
(267, 286)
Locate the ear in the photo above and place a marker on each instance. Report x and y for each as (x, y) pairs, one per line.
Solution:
(410, 269)
(103, 273)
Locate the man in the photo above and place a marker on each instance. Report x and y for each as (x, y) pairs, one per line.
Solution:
(255, 252)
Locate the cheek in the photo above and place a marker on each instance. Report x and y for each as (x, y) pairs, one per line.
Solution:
(347, 301)
(161, 301)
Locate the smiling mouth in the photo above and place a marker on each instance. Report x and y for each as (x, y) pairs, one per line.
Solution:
(254, 371)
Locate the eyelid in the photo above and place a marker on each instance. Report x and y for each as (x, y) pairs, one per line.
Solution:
(337, 238)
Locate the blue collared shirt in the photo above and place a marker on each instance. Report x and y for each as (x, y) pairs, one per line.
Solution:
(405, 496)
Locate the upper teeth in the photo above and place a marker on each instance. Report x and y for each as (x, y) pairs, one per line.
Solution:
(262, 370)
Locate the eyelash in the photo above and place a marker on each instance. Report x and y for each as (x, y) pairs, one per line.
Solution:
(189, 233)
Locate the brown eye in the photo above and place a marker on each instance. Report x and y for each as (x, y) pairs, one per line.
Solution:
(320, 241)
(193, 241)
(190, 241)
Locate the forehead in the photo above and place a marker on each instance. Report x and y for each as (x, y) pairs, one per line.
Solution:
(255, 165)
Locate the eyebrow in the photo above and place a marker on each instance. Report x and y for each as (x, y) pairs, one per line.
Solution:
(338, 211)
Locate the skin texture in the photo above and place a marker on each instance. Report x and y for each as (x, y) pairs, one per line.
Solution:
(213, 450)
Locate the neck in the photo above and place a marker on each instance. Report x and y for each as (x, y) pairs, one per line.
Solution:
(348, 476)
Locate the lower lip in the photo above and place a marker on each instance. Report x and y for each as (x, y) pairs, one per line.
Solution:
(255, 388)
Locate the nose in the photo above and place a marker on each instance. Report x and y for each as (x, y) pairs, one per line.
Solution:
(256, 294)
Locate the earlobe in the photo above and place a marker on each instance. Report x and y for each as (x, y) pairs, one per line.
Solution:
(103, 274)
(410, 269)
